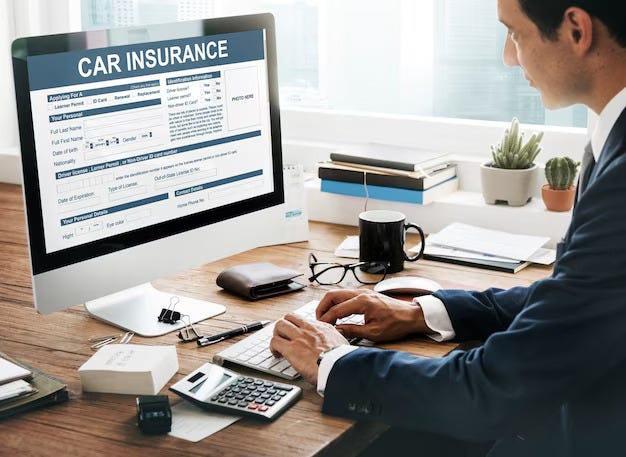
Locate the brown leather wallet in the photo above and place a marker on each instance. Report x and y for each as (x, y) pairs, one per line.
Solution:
(259, 280)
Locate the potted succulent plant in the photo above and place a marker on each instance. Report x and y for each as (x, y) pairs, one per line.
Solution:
(511, 175)
(558, 194)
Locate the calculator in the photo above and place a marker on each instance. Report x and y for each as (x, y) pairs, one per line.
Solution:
(216, 388)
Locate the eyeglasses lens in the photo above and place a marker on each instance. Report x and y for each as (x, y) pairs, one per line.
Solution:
(329, 273)
(370, 273)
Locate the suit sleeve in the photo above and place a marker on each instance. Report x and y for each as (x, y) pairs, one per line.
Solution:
(476, 315)
(551, 341)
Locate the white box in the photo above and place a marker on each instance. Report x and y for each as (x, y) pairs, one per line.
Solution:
(129, 369)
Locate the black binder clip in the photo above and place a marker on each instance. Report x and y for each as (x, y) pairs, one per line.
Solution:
(189, 332)
(169, 315)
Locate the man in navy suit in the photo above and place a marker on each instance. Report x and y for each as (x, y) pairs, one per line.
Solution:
(550, 377)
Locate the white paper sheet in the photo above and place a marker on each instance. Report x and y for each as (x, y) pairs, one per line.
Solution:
(485, 241)
(348, 248)
(194, 424)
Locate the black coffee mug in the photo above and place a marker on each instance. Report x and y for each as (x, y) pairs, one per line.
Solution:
(381, 238)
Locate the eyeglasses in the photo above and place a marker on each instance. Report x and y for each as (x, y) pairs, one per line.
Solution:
(328, 273)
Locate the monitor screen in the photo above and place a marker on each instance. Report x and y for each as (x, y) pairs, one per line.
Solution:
(130, 136)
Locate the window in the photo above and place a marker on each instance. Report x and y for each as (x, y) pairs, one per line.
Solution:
(440, 58)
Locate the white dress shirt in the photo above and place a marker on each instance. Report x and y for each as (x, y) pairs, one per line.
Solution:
(435, 313)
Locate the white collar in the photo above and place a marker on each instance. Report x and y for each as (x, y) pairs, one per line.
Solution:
(608, 118)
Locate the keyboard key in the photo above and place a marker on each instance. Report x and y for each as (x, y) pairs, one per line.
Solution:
(256, 360)
(281, 366)
(290, 372)
(270, 362)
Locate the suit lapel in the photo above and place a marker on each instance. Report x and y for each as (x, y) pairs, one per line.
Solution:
(614, 147)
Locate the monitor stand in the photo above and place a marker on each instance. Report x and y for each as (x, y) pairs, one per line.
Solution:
(137, 309)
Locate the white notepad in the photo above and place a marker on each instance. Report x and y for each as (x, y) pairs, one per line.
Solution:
(11, 372)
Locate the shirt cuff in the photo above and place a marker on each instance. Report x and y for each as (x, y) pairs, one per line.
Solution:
(436, 317)
(327, 363)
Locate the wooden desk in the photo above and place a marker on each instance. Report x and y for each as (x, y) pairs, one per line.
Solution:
(104, 424)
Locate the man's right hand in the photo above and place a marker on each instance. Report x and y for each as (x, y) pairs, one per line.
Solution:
(385, 318)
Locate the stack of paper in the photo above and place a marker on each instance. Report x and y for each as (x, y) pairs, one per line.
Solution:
(470, 245)
(19, 395)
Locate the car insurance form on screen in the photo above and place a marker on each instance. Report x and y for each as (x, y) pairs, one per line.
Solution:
(130, 136)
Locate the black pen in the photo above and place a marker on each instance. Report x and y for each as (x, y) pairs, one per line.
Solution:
(211, 339)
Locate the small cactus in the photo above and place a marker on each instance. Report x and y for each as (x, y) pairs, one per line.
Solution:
(512, 153)
(561, 172)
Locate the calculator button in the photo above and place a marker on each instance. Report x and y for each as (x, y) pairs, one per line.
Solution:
(265, 396)
(253, 406)
(270, 402)
(261, 389)
(276, 398)
(240, 397)
(268, 384)
(282, 393)
(258, 382)
(272, 391)
(232, 401)
(248, 380)
(222, 399)
(242, 404)
(286, 387)
(249, 398)
(263, 408)
(214, 397)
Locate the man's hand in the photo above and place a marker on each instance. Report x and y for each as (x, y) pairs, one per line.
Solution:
(386, 318)
(301, 342)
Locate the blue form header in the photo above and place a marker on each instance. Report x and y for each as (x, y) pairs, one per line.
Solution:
(110, 63)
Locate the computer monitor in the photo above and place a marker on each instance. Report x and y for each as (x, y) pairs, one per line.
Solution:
(146, 151)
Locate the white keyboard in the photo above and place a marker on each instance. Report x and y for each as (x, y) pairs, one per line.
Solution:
(254, 350)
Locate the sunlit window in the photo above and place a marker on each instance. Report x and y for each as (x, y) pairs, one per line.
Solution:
(440, 58)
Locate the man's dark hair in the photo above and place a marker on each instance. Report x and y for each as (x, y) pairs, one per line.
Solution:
(548, 15)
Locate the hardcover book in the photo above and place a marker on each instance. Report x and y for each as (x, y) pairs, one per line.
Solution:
(509, 267)
(408, 180)
(420, 197)
(388, 156)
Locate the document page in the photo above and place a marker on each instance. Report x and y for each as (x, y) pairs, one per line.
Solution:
(485, 241)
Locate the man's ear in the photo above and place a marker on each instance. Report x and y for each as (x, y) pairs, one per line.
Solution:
(577, 28)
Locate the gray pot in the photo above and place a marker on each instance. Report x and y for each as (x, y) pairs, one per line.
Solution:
(514, 187)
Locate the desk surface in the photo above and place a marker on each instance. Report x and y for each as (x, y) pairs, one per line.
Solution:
(104, 424)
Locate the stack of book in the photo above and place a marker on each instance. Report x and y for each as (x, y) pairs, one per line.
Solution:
(389, 173)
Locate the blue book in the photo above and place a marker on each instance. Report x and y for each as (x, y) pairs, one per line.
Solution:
(396, 194)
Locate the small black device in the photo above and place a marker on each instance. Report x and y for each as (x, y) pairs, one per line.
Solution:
(154, 416)
(217, 389)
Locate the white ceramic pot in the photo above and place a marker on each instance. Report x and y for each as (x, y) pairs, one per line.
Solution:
(514, 187)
